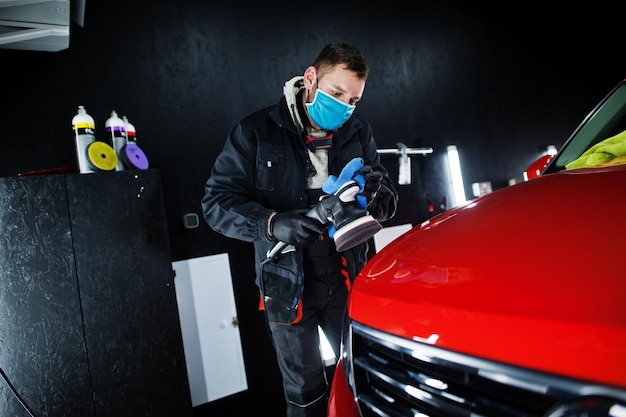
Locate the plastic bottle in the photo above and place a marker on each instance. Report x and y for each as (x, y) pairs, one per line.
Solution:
(131, 134)
(116, 136)
(84, 129)
(404, 169)
(132, 155)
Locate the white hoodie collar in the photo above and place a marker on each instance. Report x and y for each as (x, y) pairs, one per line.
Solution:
(291, 90)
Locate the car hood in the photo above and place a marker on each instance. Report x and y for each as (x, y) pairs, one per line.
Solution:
(534, 274)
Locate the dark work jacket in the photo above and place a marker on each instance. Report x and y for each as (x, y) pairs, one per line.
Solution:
(263, 168)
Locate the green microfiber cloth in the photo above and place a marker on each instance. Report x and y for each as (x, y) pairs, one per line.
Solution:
(601, 152)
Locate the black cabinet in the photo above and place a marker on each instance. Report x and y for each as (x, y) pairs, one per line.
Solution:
(88, 316)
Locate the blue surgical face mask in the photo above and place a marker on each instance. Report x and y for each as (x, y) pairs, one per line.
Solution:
(327, 112)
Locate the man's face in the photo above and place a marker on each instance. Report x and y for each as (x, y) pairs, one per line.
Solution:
(340, 83)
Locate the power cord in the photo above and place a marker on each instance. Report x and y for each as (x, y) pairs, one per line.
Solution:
(15, 393)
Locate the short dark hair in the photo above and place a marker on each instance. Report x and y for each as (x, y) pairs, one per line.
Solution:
(337, 53)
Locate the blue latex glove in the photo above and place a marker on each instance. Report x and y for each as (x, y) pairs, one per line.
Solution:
(349, 172)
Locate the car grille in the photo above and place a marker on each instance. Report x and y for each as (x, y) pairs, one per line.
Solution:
(398, 377)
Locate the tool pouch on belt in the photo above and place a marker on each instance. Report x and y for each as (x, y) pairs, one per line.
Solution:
(281, 287)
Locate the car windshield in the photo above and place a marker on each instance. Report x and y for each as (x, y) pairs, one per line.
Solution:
(605, 121)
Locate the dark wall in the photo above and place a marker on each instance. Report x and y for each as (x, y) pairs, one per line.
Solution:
(502, 85)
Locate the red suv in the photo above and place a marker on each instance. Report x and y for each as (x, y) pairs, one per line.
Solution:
(513, 304)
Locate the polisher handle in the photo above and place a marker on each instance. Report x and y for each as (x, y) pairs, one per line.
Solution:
(279, 248)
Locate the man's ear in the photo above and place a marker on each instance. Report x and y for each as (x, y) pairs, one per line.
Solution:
(310, 77)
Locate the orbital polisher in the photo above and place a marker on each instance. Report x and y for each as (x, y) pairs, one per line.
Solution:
(349, 222)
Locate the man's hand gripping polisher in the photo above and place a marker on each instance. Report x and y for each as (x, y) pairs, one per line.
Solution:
(349, 222)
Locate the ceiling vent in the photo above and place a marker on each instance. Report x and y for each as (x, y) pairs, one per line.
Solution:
(38, 25)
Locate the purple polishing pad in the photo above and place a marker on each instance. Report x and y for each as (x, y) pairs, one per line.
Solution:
(134, 157)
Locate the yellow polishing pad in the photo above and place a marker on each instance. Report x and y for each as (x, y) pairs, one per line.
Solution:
(102, 156)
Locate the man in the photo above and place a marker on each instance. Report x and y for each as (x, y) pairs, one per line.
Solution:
(264, 183)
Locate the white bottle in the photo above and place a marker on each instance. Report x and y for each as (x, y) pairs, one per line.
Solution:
(131, 134)
(84, 129)
(133, 156)
(116, 136)
(404, 169)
